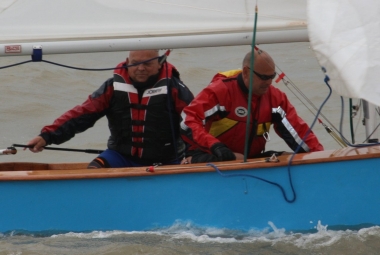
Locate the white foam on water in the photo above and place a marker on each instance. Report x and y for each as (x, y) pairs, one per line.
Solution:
(364, 233)
(271, 235)
(104, 234)
(322, 238)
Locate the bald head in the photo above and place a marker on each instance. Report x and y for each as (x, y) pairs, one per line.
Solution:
(261, 58)
(263, 71)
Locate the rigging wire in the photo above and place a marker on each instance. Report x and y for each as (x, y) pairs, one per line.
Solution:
(292, 88)
(287, 81)
(333, 134)
(342, 140)
(16, 64)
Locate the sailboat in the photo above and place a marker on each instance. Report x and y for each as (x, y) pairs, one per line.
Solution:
(338, 188)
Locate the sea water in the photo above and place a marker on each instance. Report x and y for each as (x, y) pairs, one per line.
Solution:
(186, 239)
(33, 95)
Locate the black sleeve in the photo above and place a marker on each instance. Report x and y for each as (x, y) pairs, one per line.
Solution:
(199, 156)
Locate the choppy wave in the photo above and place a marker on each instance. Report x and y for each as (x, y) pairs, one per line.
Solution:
(323, 237)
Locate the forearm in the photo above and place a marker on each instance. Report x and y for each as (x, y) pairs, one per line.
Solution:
(65, 127)
(203, 110)
(80, 117)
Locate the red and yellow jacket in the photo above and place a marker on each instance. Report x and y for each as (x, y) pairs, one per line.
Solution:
(219, 114)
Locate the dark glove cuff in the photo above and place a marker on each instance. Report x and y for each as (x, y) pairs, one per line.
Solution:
(222, 152)
(216, 146)
(46, 137)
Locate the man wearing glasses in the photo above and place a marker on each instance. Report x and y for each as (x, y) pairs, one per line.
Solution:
(142, 102)
(214, 124)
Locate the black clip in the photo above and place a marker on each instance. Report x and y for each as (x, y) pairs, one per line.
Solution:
(273, 158)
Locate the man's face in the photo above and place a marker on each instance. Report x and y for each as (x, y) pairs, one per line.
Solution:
(262, 79)
(142, 72)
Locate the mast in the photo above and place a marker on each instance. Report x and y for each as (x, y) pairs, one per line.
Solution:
(247, 133)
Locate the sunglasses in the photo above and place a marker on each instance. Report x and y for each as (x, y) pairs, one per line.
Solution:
(263, 76)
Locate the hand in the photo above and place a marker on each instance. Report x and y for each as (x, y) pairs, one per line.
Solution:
(239, 156)
(186, 160)
(38, 144)
(222, 152)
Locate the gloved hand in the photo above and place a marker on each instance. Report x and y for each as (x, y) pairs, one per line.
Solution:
(222, 152)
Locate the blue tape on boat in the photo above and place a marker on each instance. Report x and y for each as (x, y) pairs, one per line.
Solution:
(37, 54)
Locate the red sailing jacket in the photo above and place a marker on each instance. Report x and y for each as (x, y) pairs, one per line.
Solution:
(219, 114)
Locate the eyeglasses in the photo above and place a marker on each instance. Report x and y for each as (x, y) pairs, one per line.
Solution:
(264, 77)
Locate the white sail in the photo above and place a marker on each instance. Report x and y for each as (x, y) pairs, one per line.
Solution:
(345, 35)
(68, 26)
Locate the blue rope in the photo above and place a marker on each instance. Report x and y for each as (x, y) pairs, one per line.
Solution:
(311, 127)
(261, 179)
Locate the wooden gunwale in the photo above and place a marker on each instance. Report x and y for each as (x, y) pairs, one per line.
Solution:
(27, 171)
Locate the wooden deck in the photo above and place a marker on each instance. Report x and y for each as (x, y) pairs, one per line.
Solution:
(58, 171)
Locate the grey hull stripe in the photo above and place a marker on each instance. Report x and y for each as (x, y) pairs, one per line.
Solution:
(290, 128)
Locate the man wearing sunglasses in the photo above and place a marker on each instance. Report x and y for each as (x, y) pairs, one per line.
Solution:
(214, 124)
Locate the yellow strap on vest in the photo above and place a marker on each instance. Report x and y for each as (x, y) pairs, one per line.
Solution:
(231, 73)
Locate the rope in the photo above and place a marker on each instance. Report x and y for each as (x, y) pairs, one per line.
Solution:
(79, 68)
(17, 64)
(261, 179)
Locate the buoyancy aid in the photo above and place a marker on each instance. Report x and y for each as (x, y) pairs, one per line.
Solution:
(139, 127)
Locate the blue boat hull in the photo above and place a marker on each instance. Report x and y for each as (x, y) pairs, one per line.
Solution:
(344, 193)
